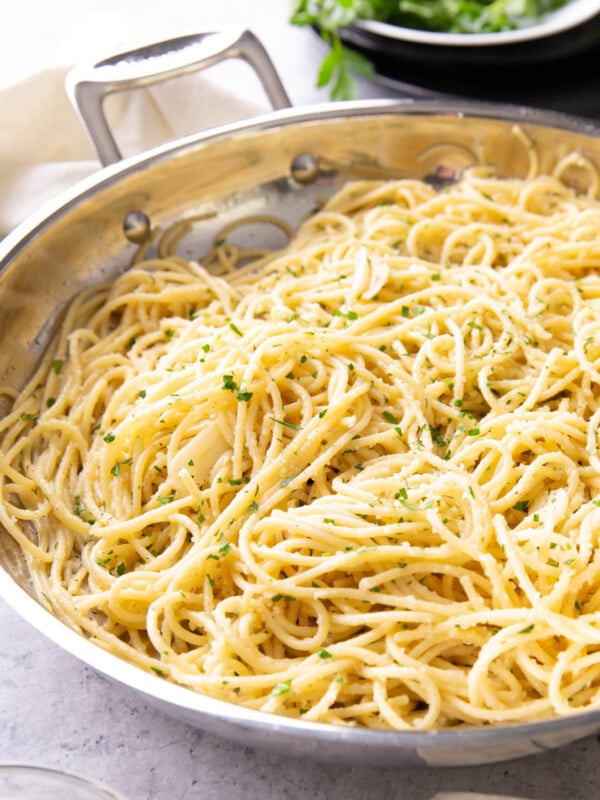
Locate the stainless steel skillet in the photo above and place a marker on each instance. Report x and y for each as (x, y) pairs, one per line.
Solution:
(283, 162)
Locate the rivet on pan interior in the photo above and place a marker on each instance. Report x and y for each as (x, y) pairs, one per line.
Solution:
(137, 227)
(305, 168)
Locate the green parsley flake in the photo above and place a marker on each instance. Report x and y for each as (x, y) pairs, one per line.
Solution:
(350, 315)
(437, 436)
(117, 467)
(281, 688)
(528, 629)
(402, 495)
(287, 424)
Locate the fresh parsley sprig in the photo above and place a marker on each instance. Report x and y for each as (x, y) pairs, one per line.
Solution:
(339, 65)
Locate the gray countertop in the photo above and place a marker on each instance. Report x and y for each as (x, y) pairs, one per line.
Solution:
(56, 711)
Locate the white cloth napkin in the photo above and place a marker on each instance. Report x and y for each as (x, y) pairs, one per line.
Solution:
(44, 149)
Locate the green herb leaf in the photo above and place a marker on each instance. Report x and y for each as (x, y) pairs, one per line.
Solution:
(224, 549)
(402, 496)
(281, 688)
(168, 498)
(528, 629)
(287, 424)
(117, 467)
(437, 436)
(229, 383)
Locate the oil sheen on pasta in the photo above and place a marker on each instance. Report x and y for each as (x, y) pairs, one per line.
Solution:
(357, 482)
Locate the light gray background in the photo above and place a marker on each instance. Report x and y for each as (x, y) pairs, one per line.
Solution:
(56, 711)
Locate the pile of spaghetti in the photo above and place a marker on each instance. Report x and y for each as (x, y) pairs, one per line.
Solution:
(356, 481)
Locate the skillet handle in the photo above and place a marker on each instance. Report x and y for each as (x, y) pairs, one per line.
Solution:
(88, 85)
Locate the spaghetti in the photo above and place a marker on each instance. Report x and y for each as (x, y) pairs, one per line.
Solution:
(356, 481)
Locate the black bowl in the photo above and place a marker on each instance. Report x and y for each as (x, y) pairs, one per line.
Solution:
(559, 70)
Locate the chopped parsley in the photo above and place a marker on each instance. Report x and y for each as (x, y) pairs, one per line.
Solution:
(116, 469)
(229, 383)
(166, 499)
(402, 496)
(528, 629)
(286, 424)
(224, 549)
(281, 688)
